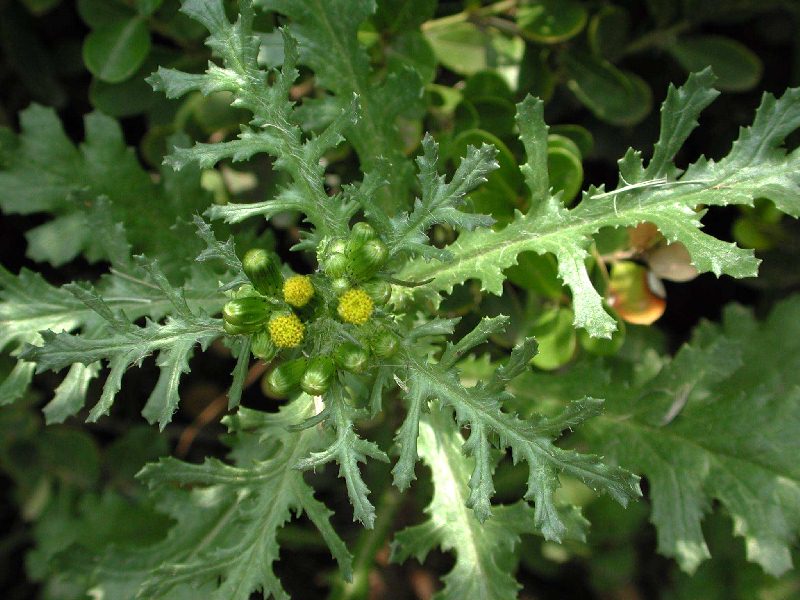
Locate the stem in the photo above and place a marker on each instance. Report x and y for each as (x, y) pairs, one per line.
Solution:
(369, 543)
(492, 9)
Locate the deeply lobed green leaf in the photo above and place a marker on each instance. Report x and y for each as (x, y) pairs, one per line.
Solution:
(757, 166)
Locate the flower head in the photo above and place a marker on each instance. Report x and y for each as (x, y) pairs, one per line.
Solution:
(298, 290)
(355, 306)
(286, 330)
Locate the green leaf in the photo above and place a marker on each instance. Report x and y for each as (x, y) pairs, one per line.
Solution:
(114, 52)
(226, 518)
(347, 449)
(483, 550)
(556, 337)
(757, 166)
(113, 337)
(439, 202)
(737, 68)
(327, 31)
(613, 95)
(49, 174)
(608, 32)
(103, 13)
(461, 47)
(551, 21)
(480, 409)
(566, 171)
(271, 130)
(718, 422)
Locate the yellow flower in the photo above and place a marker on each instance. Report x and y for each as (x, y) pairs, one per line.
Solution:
(355, 306)
(286, 330)
(298, 290)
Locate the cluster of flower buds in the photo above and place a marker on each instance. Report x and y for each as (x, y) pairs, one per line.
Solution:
(315, 375)
(351, 264)
(265, 309)
(272, 311)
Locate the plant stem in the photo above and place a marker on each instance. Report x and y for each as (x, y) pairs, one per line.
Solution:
(466, 15)
(369, 543)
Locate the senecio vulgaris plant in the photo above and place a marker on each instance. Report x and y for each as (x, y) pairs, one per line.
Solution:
(362, 330)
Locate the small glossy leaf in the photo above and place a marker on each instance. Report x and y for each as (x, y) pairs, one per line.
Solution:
(103, 13)
(603, 346)
(608, 31)
(486, 84)
(495, 115)
(556, 337)
(535, 75)
(616, 96)
(555, 140)
(737, 68)
(460, 47)
(580, 136)
(566, 171)
(537, 273)
(148, 7)
(466, 49)
(465, 117)
(129, 97)
(551, 21)
(114, 52)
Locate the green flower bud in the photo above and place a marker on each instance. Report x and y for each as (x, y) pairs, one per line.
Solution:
(233, 329)
(368, 259)
(351, 357)
(340, 285)
(337, 246)
(284, 378)
(360, 233)
(318, 376)
(379, 290)
(262, 268)
(247, 314)
(261, 345)
(336, 265)
(384, 344)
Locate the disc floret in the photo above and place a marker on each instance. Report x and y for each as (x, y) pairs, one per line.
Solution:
(355, 306)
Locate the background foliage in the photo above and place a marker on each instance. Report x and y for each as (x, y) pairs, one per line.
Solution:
(703, 404)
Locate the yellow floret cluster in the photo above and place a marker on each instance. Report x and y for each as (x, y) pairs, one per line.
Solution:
(355, 306)
(286, 330)
(298, 290)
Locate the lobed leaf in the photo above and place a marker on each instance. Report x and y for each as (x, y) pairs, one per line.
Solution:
(757, 166)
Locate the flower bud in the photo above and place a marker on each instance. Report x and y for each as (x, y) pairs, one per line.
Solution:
(360, 234)
(337, 246)
(379, 290)
(368, 259)
(286, 377)
(262, 268)
(336, 265)
(384, 344)
(351, 357)
(261, 345)
(245, 315)
(340, 285)
(318, 375)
